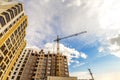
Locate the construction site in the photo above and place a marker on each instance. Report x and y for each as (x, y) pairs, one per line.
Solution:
(20, 63)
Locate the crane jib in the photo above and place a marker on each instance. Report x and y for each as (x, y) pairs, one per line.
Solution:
(69, 36)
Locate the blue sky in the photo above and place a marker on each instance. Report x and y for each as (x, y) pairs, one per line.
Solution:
(98, 49)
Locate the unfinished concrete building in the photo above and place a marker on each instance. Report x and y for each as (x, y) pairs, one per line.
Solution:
(36, 65)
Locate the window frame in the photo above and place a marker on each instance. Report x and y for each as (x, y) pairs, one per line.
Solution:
(11, 13)
(2, 20)
(7, 16)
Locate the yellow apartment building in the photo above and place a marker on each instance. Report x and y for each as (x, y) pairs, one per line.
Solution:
(13, 23)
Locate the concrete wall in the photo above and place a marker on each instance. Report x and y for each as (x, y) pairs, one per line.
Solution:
(61, 78)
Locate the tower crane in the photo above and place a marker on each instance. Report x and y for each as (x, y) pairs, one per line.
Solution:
(91, 74)
(58, 39)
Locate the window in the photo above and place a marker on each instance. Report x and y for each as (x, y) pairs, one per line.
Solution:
(10, 55)
(13, 77)
(6, 16)
(18, 78)
(16, 69)
(21, 69)
(14, 73)
(9, 46)
(9, 73)
(3, 67)
(13, 51)
(19, 61)
(11, 68)
(2, 47)
(1, 35)
(6, 30)
(20, 73)
(8, 41)
(15, 32)
(1, 58)
(5, 52)
(23, 65)
(10, 26)
(21, 6)
(0, 73)
(7, 61)
(15, 10)
(18, 8)
(2, 21)
(7, 78)
(11, 13)
(18, 65)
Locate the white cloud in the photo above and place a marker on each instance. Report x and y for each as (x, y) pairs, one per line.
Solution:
(78, 64)
(52, 17)
(47, 18)
(108, 76)
(69, 52)
(100, 76)
(109, 15)
(83, 55)
(110, 46)
(74, 3)
(101, 49)
(34, 47)
(81, 75)
(114, 45)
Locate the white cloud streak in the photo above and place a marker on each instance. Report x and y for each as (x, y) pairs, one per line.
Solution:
(69, 52)
(78, 64)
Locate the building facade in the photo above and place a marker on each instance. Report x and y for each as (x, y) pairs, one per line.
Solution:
(37, 65)
(13, 23)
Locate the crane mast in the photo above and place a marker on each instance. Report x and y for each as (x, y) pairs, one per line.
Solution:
(91, 74)
(59, 56)
(58, 39)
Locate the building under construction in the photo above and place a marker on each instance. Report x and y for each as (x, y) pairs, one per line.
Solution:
(37, 65)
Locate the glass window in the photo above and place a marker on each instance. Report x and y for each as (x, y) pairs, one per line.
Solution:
(5, 52)
(15, 10)
(18, 78)
(18, 8)
(9, 73)
(6, 30)
(2, 21)
(4, 66)
(1, 58)
(13, 77)
(6, 16)
(0, 73)
(8, 41)
(1, 35)
(21, 6)
(11, 13)
(7, 61)
(2, 47)
(10, 56)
